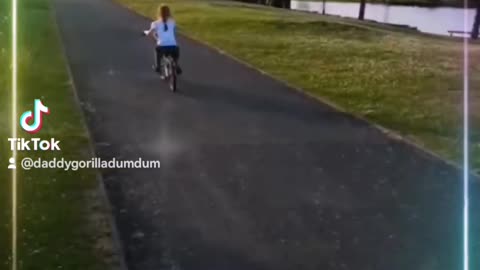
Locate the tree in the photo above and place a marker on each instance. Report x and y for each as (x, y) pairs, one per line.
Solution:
(281, 3)
(476, 23)
(273, 3)
(361, 13)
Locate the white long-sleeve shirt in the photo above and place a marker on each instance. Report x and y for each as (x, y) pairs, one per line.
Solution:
(164, 38)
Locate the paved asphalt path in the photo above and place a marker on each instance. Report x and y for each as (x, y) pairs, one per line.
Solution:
(254, 175)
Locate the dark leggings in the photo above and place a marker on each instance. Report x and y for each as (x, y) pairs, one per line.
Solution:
(160, 51)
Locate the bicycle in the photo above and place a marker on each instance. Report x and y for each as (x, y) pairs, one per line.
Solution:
(168, 69)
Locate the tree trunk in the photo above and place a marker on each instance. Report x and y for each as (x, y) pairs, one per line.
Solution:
(476, 23)
(361, 13)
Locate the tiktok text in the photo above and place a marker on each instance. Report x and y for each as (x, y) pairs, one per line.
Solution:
(34, 144)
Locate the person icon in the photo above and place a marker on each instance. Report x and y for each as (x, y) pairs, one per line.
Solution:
(12, 165)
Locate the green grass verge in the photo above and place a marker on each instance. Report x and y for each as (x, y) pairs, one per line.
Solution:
(406, 82)
(55, 208)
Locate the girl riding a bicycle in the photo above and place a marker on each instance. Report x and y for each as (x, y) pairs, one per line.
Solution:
(163, 30)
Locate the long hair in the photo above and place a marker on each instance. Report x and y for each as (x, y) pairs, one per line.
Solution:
(165, 14)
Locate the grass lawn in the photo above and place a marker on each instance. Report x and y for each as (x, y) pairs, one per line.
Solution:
(61, 223)
(406, 82)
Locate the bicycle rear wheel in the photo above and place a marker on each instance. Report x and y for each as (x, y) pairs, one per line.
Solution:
(173, 76)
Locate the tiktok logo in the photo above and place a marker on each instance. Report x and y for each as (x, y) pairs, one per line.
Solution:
(38, 110)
